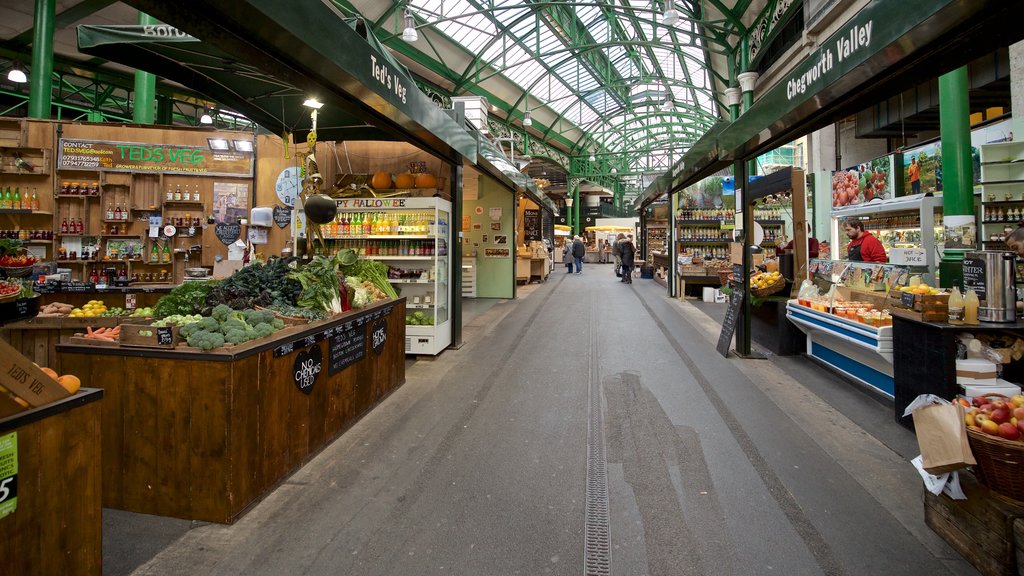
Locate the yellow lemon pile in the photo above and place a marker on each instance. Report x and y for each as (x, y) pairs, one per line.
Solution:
(91, 309)
(921, 288)
(764, 279)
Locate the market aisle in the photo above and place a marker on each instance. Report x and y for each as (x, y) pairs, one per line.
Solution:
(482, 463)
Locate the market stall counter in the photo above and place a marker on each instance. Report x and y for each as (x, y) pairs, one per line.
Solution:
(204, 435)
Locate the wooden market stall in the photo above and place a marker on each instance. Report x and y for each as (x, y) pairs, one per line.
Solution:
(204, 435)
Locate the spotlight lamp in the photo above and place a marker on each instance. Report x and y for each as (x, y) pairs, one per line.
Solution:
(313, 103)
(17, 74)
(206, 118)
(671, 15)
(592, 158)
(409, 34)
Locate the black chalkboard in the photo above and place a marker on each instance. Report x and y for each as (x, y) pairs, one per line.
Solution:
(306, 369)
(165, 336)
(345, 348)
(282, 216)
(732, 314)
(228, 233)
(379, 333)
(975, 275)
(531, 225)
(907, 299)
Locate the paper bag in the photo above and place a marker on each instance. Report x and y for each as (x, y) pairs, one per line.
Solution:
(942, 437)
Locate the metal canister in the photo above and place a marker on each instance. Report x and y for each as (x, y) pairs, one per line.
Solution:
(991, 274)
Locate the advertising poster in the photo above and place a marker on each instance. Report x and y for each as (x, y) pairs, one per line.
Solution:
(922, 165)
(866, 182)
(230, 202)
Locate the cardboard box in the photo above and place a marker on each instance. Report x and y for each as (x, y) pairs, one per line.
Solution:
(22, 377)
(736, 252)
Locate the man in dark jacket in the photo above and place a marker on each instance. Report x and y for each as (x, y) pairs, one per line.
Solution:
(579, 250)
(627, 251)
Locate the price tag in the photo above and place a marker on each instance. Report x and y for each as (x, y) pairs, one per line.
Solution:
(129, 301)
(907, 299)
(165, 336)
(8, 473)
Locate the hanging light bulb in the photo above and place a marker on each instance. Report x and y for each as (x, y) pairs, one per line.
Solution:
(17, 74)
(592, 157)
(671, 15)
(206, 118)
(667, 105)
(410, 34)
(527, 119)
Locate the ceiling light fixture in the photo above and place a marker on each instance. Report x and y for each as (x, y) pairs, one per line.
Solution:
(667, 105)
(206, 118)
(671, 15)
(313, 103)
(592, 157)
(410, 34)
(527, 120)
(17, 75)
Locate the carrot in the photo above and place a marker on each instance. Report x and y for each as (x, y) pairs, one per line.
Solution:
(100, 331)
(88, 330)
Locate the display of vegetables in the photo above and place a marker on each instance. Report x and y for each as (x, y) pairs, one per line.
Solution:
(189, 298)
(227, 326)
(418, 318)
(56, 308)
(256, 285)
(372, 271)
(19, 261)
(320, 285)
(8, 287)
(178, 319)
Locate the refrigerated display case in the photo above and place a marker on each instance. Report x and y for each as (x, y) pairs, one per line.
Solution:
(411, 236)
(910, 228)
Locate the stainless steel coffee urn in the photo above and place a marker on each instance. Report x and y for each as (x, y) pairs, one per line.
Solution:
(990, 273)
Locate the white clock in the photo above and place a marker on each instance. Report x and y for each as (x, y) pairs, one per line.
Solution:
(288, 186)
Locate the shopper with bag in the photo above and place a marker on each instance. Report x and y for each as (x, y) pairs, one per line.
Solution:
(627, 252)
(617, 253)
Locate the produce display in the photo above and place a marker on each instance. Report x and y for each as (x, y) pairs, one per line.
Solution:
(18, 261)
(178, 319)
(254, 285)
(995, 415)
(108, 334)
(418, 318)
(227, 326)
(69, 382)
(9, 287)
(56, 309)
(91, 309)
(764, 280)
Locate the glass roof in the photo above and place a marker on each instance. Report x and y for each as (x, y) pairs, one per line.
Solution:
(610, 69)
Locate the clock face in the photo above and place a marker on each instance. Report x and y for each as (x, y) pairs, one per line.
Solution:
(288, 185)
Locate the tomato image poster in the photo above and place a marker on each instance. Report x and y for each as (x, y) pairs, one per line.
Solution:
(873, 180)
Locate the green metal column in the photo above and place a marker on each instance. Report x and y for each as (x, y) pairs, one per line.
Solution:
(748, 96)
(40, 82)
(455, 252)
(576, 228)
(957, 167)
(740, 183)
(144, 103)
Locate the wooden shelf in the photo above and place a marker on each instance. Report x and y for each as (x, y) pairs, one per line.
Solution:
(990, 202)
(184, 202)
(137, 236)
(27, 212)
(72, 196)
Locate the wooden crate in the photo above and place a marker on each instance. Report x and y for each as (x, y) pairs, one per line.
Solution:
(149, 336)
(980, 528)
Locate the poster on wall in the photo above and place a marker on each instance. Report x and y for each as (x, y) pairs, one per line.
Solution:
(922, 165)
(872, 180)
(496, 253)
(230, 202)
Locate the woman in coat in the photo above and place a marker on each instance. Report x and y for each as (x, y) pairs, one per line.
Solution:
(567, 254)
(627, 252)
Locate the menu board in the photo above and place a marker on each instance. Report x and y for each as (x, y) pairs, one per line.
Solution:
(531, 224)
(200, 160)
(732, 314)
(974, 276)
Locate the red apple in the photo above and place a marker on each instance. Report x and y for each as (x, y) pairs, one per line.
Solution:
(1018, 413)
(979, 401)
(1000, 404)
(1020, 426)
(1009, 431)
(990, 427)
(987, 408)
(1000, 415)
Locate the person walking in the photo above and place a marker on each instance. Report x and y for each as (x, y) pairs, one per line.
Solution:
(627, 252)
(579, 250)
(617, 253)
(567, 255)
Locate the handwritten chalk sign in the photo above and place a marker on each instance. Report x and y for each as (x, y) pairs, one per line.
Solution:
(165, 336)
(228, 233)
(282, 216)
(345, 348)
(732, 314)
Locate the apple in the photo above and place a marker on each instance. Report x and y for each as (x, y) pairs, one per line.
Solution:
(987, 408)
(1000, 404)
(990, 427)
(1020, 426)
(963, 401)
(1000, 415)
(1008, 431)
(1017, 400)
(979, 401)
(969, 419)
(1018, 413)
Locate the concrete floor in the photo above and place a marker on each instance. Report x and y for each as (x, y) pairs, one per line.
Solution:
(587, 424)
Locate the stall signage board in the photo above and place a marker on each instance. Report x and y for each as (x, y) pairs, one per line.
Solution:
(346, 347)
(22, 377)
(282, 216)
(732, 314)
(8, 473)
(908, 256)
(228, 233)
(380, 336)
(531, 225)
(975, 276)
(78, 154)
(289, 347)
(307, 367)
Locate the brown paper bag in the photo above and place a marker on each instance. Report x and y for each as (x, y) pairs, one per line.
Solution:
(942, 437)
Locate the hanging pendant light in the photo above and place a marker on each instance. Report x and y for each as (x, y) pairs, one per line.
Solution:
(206, 118)
(592, 158)
(410, 34)
(527, 119)
(17, 74)
(671, 15)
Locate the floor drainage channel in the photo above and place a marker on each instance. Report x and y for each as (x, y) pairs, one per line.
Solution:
(597, 557)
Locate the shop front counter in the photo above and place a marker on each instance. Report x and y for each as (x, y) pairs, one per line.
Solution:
(859, 351)
(204, 435)
(51, 519)
(925, 359)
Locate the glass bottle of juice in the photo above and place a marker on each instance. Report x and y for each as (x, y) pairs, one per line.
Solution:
(956, 307)
(971, 305)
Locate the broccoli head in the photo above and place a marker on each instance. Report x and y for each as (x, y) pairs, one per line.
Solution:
(263, 330)
(189, 329)
(209, 324)
(277, 323)
(234, 324)
(221, 312)
(205, 340)
(236, 336)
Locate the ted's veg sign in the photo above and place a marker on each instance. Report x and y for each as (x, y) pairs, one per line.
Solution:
(75, 154)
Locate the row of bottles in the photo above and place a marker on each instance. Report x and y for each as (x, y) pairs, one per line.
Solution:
(158, 255)
(15, 200)
(27, 234)
(963, 308)
(184, 221)
(385, 224)
(704, 234)
(1014, 214)
(710, 252)
(895, 222)
(396, 247)
(768, 213)
(114, 212)
(68, 188)
(176, 194)
(704, 214)
(72, 227)
(103, 276)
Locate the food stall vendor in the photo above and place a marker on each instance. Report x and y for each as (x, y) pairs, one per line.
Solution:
(1015, 240)
(864, 247)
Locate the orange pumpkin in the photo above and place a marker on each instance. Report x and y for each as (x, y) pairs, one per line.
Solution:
(381, 180)
(426, 180)
(405, 180)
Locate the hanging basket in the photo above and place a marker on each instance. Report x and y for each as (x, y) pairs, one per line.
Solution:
(769, 290)
(16, 271)
(724, 276)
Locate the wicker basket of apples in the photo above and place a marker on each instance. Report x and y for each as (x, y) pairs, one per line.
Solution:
(995, 430)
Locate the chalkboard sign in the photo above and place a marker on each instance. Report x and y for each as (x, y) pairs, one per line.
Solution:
(345, 348)
(531, 225)
(907, 299)
(228, 233)
(282, 216)
(975, 275)
(306, 369)
(379, 333)
(732, 314)
(165, 336)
